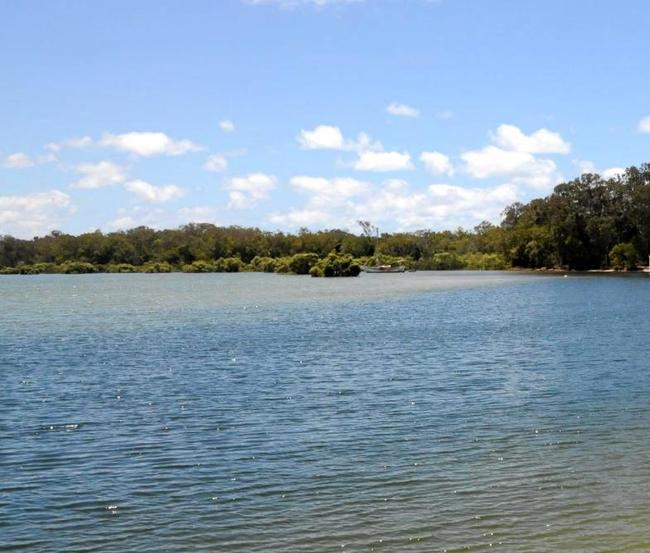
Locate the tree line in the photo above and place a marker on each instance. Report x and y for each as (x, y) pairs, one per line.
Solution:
(586, 223)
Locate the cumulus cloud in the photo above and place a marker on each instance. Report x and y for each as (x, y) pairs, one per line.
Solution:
(160, 217)
(340, 187)
(146, 144)
(326, 198)
(585, 166)
(323, 137)
(613, 172)
(122, 222)
(512, 156)
(371, 154)
(541, 141)
(395, 203)
(437, 163)
(154, 194)
(439, 206)
(383, 161)
(75, 143)
(520, 167)
(644, 125)
(247, 191)
(19, 160)
(492, 161)
(143, 215)
(402, 110)
(329, 137)
(226, 125)
(34, 214)
(329, 193)
(97, 175)
(216, 163)
(198, 214)
(297, 218)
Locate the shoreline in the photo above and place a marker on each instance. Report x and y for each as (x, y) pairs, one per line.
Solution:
(515, 270)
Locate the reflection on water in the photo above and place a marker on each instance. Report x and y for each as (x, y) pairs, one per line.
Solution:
(415, 412)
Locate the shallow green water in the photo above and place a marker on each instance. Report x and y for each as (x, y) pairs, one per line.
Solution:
(415, 412)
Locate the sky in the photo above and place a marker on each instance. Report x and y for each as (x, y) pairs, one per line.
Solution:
(284, 114)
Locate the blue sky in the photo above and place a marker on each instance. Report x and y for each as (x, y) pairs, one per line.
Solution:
(289, 113)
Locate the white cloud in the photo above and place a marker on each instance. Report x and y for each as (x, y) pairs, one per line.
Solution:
(613, 172)
(363, 143)
(327, 197)
(97, 175)
(383, 161)
(199, 214)
(445, 114)
(437, 163)
(492, 161)
(323, 137)
(329, 193)
(441, 206)
(402, 110)
(34, 214)
(146, 144)
(644, 125)
(520, 167)
(154, 194)
(395, 204)
(76, 143)
(585, 166)
(227, 125)
(122, 222)
(541, 141)
(216, 163)
(297, 218)
(329, 137)
(159, 217)
(19, 160)
(247, 191)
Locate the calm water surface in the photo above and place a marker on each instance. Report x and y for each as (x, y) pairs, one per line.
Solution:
(249, 413)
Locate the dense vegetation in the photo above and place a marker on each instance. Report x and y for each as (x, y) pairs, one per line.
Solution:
(587, 223)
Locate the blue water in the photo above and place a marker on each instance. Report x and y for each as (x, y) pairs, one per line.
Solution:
(251, 412)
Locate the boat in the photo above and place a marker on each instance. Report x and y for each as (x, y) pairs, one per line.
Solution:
(369, 230)
(384, 269)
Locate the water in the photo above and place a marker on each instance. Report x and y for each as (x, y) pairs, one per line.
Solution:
(415, 412)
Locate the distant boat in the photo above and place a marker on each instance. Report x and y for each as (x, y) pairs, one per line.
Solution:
(384, 269)
(368, 231)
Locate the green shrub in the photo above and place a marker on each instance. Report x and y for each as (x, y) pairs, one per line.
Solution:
(262, 264)
(228, 265)
(156, 267)
(199, 267)
(76, 267)
(34, 269)
(484, 261)
(384, 259)
(282, 265)
(336, 265)
(442, 261)
(624, 256)
(301, 263)
(121, 268)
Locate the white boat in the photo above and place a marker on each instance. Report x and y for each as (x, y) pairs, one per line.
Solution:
(383, 269)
